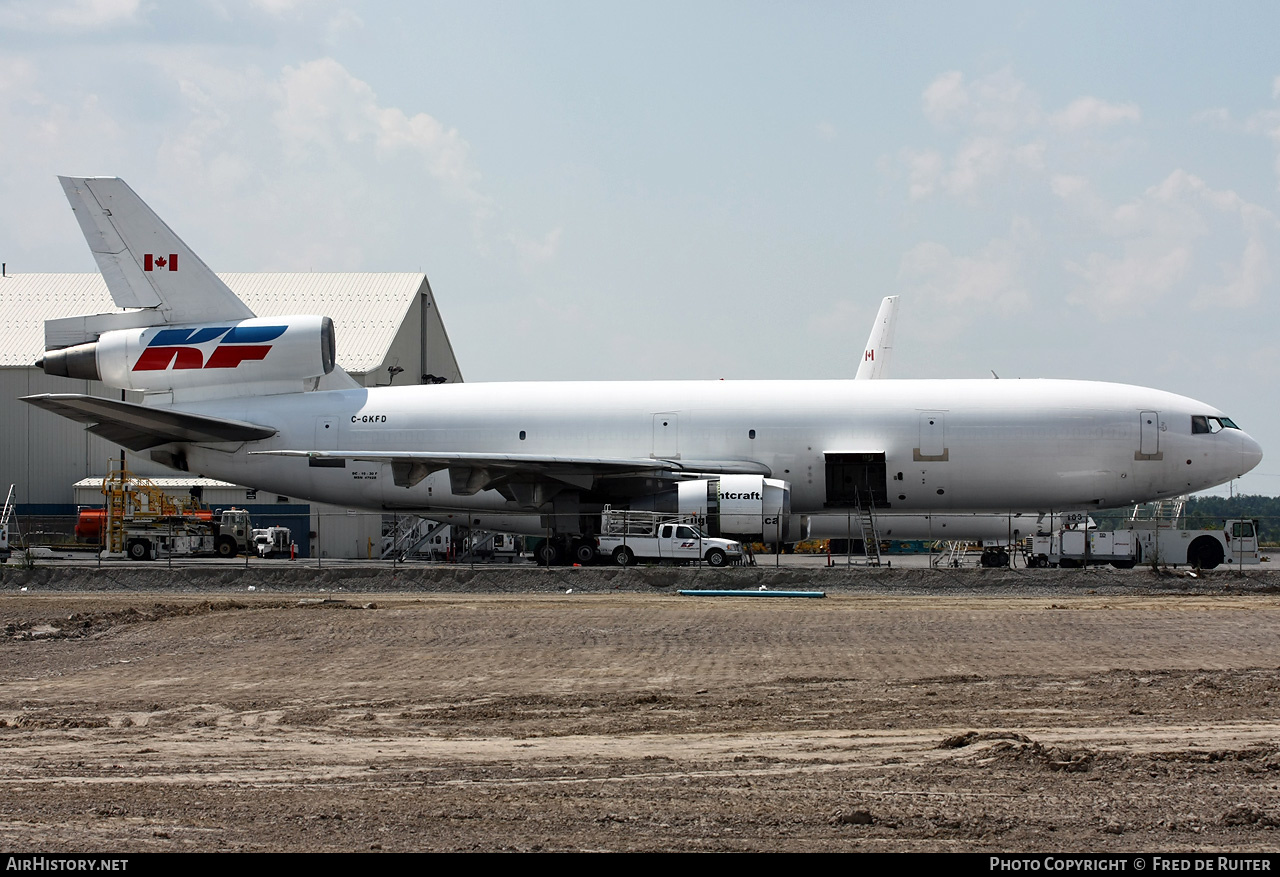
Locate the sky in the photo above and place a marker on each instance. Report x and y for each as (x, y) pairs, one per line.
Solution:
(626, 191)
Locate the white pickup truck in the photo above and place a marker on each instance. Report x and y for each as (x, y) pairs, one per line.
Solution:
(630, 537)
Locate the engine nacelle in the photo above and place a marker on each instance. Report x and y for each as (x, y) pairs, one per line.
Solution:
(261, 350)
(741, 506)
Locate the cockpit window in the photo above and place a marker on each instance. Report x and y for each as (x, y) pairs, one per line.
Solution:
(1203, 423)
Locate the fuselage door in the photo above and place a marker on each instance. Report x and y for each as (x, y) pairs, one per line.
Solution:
(933, 437)
(326, 434)
(666, 436)
(326, 440)
(856, 480)
(1149, 434)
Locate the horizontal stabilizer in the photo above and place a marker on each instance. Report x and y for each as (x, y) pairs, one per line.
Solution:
(139, 427)
(482, 470)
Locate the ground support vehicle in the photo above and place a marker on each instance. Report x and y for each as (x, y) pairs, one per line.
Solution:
(226, 534)
(1149, 542)
(629, 537)
(140, 521)
(7, 513)
(272, 541)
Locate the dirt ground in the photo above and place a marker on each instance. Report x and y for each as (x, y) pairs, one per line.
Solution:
(932, 717)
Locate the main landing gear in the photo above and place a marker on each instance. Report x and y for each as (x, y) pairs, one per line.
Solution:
(566, 551)
(994, 558)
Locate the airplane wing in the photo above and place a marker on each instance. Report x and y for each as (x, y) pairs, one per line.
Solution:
(469, 472)
(139, 427)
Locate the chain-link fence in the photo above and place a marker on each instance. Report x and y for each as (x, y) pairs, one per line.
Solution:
(318, 537)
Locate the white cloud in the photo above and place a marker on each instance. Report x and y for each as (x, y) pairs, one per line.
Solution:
(1268, 123)
(279, 8)
(1179, 246)
(978, 160)
(49, 15)
(1002, 131)
(342, 22)
(945, 98)
(993, 278)
(1115, 287)
(925, 170)
(1219, 116)
(44, 137)
(996, 103)
(1092, 112)
(322, 174)
(19, 80)
(1067, 186)
(1180, 240)
(322, 106)
(534, 252)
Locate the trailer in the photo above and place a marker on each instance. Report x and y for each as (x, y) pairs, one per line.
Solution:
(1148, 542)
(629, 537)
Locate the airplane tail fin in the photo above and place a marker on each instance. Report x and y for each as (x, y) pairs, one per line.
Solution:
(875, 360)
(183, 334)
(143, 262)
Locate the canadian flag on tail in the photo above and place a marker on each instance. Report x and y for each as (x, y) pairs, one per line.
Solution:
(152, 262)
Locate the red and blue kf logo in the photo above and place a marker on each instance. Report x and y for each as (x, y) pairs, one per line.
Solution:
(238, 344)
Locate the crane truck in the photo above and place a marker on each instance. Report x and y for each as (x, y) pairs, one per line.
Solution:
(140, 521)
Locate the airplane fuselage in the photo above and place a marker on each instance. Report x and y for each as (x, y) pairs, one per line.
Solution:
(946, 445)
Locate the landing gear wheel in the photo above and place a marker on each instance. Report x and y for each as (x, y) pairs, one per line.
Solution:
(623, 556)
(717, 557)
(995, 558)
(139, 549)
(548, 553)
(584, 552)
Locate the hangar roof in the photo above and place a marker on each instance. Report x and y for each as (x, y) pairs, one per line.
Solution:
(163, 482)
(367, 309)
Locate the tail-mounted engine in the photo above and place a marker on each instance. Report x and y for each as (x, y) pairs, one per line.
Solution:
(746, 506)
(266, 351)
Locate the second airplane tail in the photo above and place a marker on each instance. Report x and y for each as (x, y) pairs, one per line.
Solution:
(875, 359)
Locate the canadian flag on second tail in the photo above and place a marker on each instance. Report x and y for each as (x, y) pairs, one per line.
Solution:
(151, 262)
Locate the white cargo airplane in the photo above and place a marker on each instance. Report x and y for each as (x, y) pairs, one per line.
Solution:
(260, 402)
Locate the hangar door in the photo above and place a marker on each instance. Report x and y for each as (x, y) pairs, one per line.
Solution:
(856, 479)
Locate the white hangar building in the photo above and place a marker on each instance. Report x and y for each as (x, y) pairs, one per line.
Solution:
(388, 331)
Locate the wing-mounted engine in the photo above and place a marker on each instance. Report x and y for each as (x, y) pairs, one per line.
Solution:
(745, 506)
(258, 356)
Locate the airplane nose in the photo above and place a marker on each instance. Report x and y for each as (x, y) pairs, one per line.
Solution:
(1250, 453)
